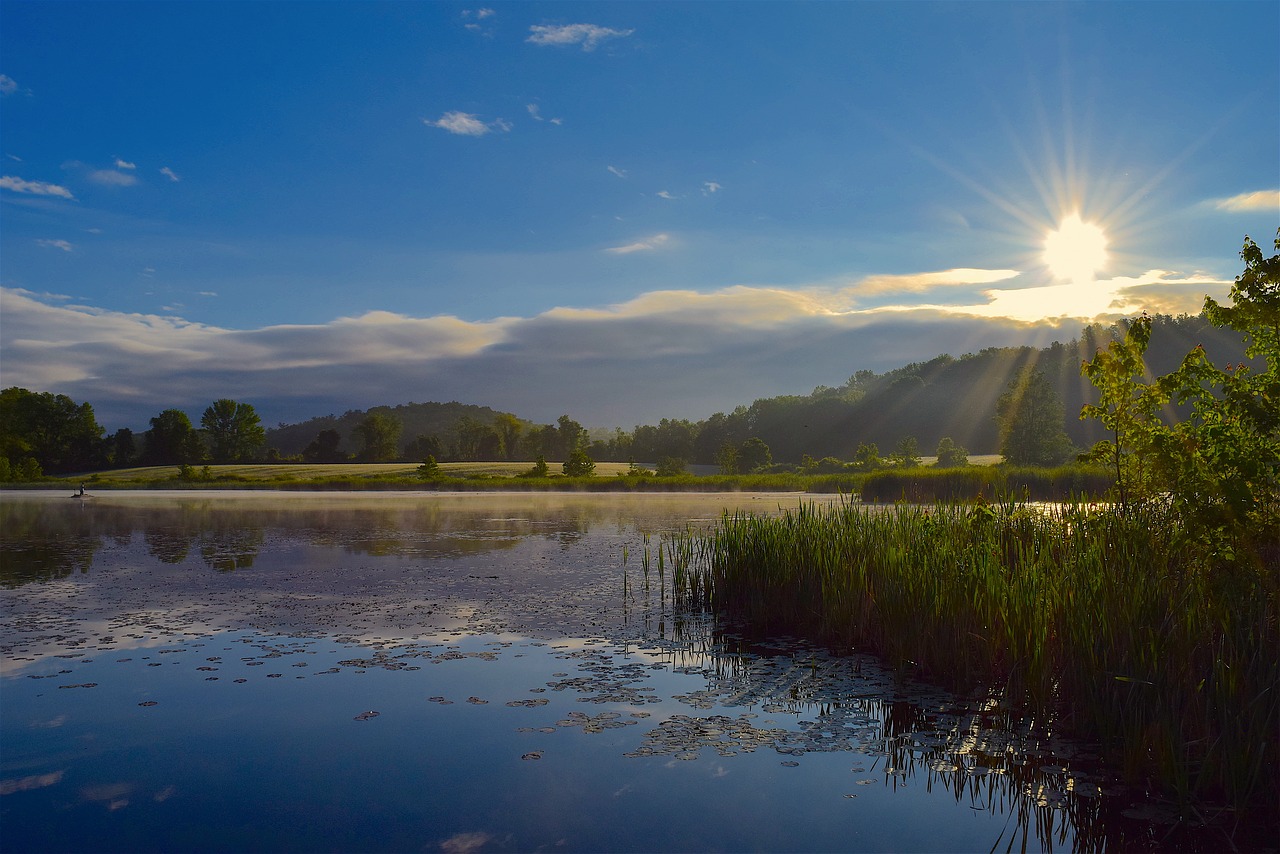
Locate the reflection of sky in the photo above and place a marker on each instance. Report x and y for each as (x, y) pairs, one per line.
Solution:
(275, 732)
(258, 682)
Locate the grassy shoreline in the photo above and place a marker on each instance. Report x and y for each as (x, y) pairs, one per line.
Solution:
(920, 484)
(1091, 620)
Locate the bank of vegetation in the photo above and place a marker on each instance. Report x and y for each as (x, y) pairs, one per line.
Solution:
(1150, 622)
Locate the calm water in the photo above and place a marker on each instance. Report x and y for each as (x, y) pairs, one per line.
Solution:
(407, 672)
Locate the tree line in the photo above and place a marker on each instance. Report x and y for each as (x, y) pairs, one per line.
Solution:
(1019, 401)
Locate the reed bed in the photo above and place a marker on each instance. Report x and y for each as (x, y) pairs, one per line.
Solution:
(927, 485)
(1092, 621)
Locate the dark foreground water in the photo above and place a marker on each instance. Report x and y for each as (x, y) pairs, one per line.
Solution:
(406, 672)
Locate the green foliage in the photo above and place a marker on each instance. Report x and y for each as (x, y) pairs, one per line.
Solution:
(324, 448)
(53, 431)
(379, 434)
(950, 454)
(234, 430)
(539, 469)
(430, 469)
(754, 455)
(1032, 419)
(867, 457)
(1218, 471)
(1087, 617)
(906, 454)
(579, 465)
(727, 458)
(171, 440)
(122, 450)
(670, 467)
(634, 469)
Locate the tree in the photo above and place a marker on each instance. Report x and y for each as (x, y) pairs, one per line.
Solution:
(1032, 422)
(906, 454)
(950, 454)
(754, 455)
(1219, 469)
(867, 457)
(424, 446)
(579, 465)
(571, 434)
(380, 437)
(539, 469)
(727, 458)
(56, 433)
(509, 429)
(172, 440)
(122, 449)
(324, 448)
(234, 430)
(670, 467)
(430, 469)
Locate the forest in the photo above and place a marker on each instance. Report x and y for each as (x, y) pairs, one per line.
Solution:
(955, 403)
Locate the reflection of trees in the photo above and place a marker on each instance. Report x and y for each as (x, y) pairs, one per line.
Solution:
(168, 546)
(229, 550)
(45, 539)
(36, 546)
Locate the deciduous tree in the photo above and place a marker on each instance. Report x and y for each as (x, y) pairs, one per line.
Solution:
(1032, 422)
(172, 440)
(234, 430)
(379, 435)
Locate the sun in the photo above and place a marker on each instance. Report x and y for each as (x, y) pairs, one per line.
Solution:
(1076, 250)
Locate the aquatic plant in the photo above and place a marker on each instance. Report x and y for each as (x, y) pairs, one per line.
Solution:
(1088, 618)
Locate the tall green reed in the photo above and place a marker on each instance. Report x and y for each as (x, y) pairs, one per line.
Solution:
(1089, 619)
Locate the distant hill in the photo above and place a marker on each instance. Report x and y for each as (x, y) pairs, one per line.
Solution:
(943, 397)
(956, 397)
(418, 419)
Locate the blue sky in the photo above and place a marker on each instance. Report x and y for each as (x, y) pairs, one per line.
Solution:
(622, 211)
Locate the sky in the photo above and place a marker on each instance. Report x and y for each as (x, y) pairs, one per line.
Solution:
(618, 211)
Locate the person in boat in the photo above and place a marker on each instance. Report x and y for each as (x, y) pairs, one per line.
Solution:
(80, 494)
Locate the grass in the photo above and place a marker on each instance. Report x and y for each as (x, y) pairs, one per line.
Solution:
(917, 484)
(1089, 620)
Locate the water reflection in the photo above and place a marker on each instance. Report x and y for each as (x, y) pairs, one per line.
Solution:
(178, 658)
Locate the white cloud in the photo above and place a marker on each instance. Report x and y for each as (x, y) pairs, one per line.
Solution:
(621, 173)
(536, 113)
(35, 188)
(112, 178)
(921, 282)
(663, 194)
(709, 187)
(125, 164)
(467, 124)
(1260, 200)
(640, 246)
(7, 85)
(55, 244)
(170, 174)
(587, 35)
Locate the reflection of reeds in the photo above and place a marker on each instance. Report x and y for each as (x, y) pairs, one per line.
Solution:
(1084, 617)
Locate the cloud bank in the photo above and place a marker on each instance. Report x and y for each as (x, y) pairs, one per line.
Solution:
(677, 353)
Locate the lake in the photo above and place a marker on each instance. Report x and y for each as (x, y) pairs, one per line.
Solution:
(269, 671)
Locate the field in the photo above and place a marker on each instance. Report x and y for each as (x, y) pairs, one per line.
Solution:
(288, 472)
